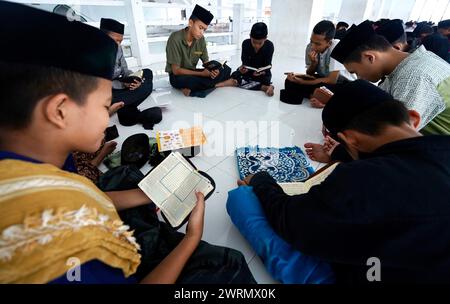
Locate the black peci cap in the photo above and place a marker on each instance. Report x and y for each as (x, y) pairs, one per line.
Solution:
(36, 37)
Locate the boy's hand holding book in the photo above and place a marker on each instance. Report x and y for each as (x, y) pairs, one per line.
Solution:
(134, 80)
(243, 70)
(257, 74)
(174, 186)
(195, 225)
(210, 74)
(133, 85)
(214, 74)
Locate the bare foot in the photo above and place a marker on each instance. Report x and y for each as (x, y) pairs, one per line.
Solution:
(115, 107)
(227, 83)
(186, 92)
(315, 103)
(107, 149)
(329, 145)
(269, 90)
(317, 153)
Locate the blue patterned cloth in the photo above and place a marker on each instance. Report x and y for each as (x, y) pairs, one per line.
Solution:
(285, 165)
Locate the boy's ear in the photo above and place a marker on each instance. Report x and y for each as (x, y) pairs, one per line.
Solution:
(342, 137)
(351, 143)
(397, 46)
(56, 109)
(368, 56)
(414, 119)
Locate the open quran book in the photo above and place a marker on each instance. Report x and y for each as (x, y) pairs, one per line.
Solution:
(302, 188)
(136, 76)
(171, 186)
(302, 76)
(214, 65)
(258, 70)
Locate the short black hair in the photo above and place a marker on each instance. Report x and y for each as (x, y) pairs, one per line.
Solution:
(444, 24)
(402, 39)
(375, 43)
(193, 18)
(423, 29)
(374, 120)
(325, 28)
(341, 24)
(27, 84)
(382, 21)
(259, 31)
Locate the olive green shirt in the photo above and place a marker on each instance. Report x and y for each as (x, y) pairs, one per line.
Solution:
(440, 125)
(180, 53)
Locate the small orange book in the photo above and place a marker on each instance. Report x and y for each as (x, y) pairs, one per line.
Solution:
(180, 139)
(323, 95)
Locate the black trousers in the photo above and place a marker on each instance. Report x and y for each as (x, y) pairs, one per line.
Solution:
(197, 84)
(209, 264)
(294, 93)
(248, 77)
(136, 97)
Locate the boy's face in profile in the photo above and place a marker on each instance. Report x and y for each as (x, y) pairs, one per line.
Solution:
(257, 43)
(369, 68)
(118, 38)
(444, 31)
(86, 123)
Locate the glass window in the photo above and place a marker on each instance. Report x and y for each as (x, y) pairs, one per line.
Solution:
(431, 10)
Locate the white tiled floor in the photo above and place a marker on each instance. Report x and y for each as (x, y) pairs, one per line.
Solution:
(275, 124)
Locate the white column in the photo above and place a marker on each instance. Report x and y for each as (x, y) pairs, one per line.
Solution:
(317, 12)
(238, 16)
(401, 9)
(373, 9)
(219, 9)
(289, 26)
(259, 9)
(353, 11)
(385, 9)
(138, 31)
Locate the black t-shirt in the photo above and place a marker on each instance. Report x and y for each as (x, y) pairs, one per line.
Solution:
(437, 44)
(391, 205)
(257, 60)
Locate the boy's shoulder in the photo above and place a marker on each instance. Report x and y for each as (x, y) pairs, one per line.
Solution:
(425, 62)
(176, 36)
(247, 42)
(269, 42)
(269, 45)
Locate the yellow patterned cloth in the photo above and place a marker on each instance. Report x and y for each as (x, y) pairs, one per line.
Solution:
(48, 216)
